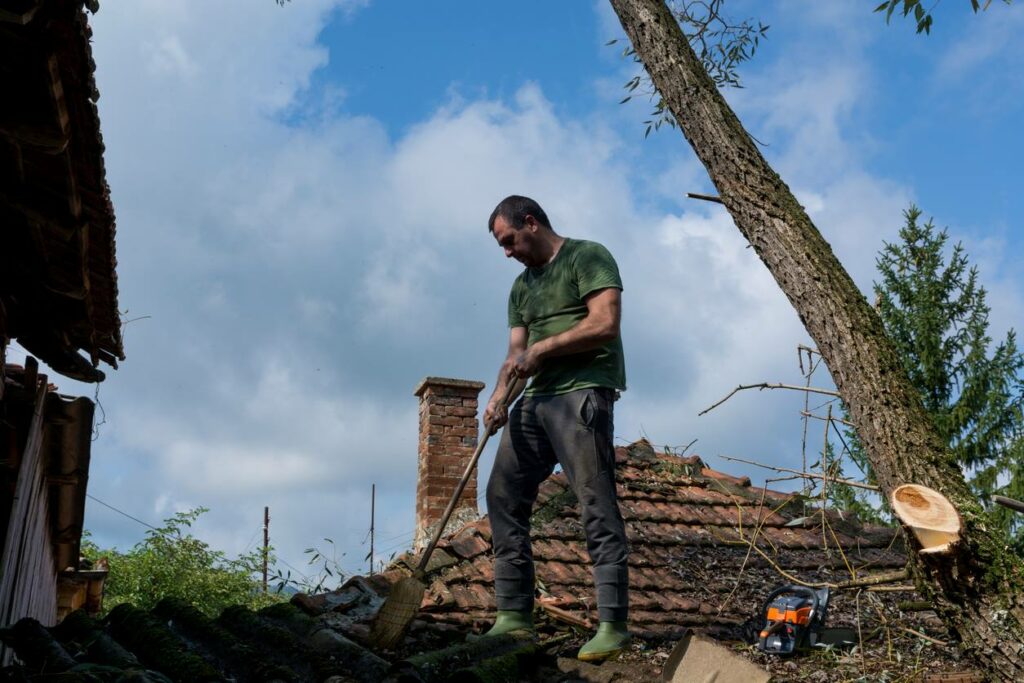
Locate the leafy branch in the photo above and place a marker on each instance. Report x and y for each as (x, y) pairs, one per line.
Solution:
(721, 45)
(923, 16)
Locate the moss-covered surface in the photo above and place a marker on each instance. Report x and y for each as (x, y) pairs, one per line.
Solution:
(288, 649)
(81, 633)
(219, 645)
(553, 508)
(676, 468)
(157, 646)
(290, 617)
(490, 660)
(37, 647)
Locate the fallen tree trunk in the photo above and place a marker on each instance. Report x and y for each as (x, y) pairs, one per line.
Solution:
(976, 587)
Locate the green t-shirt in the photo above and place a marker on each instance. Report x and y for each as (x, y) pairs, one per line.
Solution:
(550, 300)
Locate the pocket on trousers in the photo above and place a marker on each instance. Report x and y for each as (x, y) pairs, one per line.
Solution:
(587, 414)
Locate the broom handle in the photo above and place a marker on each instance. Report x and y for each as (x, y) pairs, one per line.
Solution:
(511, 393)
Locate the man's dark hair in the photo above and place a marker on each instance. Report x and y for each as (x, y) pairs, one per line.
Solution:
(515, 209)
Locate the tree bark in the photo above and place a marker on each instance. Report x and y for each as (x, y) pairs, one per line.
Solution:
(976, 589)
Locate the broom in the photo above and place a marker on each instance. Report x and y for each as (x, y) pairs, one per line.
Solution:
(406, 595)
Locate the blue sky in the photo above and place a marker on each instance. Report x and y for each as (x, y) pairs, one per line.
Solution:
(302, 195)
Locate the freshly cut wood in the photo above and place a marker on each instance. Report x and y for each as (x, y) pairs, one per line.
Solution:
(930, 515)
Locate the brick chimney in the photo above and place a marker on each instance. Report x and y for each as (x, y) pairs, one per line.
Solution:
(448, 437)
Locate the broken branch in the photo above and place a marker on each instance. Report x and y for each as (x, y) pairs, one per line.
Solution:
(915, 606)
(705, 197)
(1009, 503)
(766, 385)
(562, 615)
(912, 632)
(889, 577)
(805, 475)
(807, 413)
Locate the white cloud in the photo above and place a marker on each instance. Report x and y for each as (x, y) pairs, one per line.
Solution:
(987, 40)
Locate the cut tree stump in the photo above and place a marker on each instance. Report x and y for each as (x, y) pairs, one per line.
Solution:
(929, 514)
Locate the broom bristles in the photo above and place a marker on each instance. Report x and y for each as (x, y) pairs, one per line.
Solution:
(397, 612)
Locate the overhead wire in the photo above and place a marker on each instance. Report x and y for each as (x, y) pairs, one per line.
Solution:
(122, 512)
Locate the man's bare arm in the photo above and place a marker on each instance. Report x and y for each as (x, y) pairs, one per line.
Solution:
(516, 346)
(600, 326)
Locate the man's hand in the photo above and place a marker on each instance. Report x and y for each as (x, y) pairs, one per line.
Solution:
(495, 416)
(496, 412)
(526, 363)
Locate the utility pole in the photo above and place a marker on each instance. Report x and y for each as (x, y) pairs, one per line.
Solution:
(373, 505)
(266, 544)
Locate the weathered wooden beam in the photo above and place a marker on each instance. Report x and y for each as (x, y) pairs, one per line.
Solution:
(19, 12)
(71, 479)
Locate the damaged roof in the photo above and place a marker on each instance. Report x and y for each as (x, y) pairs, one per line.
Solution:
(58, 286)
(691, 563)
(691, 567)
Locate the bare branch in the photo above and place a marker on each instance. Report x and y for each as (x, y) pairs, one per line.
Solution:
(912, 632)
(705, 197)
(915, 606)
(804, 475)
(766, 385)
(1009, 503)
(757, 530)
(807, 413)
(562, 615)
(876, 580)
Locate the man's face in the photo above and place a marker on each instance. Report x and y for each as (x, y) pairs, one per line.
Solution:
(518, 244)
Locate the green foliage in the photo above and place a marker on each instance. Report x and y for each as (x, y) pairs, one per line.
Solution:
(170, 562)
(325, 571)
(935, 313)
(923, 16)
(720, 44)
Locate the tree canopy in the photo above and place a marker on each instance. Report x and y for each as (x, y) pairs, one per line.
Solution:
(171, 562)
(935, 312)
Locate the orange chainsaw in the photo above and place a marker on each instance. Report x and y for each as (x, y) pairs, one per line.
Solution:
(793, 618)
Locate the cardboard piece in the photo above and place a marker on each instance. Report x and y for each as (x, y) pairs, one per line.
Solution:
(700, 660)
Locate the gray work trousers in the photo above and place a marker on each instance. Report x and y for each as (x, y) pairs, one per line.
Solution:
(574, 430)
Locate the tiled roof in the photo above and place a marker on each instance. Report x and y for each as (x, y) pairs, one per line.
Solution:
(690, 567)
(58, 283)
(689, 528)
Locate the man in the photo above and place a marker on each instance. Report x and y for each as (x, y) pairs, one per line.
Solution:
(563, 313)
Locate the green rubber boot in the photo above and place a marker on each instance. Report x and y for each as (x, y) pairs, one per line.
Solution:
(611, 639)
(509, 621)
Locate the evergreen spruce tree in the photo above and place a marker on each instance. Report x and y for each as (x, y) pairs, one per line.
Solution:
(935, 313)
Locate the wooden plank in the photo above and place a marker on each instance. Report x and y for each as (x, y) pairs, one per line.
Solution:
(35, 114)
(19, 11)
(28, 582)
